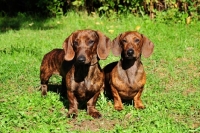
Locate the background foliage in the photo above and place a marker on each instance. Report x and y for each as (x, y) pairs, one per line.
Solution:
(173, 10)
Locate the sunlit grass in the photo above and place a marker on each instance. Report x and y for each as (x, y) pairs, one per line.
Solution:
(171, 94)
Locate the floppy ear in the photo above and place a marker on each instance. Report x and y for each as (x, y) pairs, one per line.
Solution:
(67, 46)
(104, 46)
(116, 49)
(147, 48)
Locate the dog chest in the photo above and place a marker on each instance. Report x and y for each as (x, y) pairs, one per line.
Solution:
(86, 89)
(128, 82)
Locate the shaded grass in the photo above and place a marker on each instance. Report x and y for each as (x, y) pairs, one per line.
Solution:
(171, 94)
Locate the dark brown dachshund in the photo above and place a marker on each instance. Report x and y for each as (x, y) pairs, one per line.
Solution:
(53, 63)
(126, 78)
(85, 79)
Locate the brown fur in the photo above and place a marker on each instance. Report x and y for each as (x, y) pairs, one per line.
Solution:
(53, 63)
(126, 78)
(85, 79)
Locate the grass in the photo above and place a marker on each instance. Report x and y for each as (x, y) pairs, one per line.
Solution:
(171, 94)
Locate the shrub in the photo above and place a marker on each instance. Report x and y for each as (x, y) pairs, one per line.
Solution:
(174, 10)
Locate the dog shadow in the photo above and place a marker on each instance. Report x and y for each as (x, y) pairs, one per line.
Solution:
(109, 96)
(61, 91)
(58, 89)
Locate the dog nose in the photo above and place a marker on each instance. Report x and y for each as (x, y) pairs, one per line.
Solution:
(81, 59)
(130, 52)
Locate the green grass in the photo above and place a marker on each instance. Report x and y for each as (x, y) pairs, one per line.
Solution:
(171, 94)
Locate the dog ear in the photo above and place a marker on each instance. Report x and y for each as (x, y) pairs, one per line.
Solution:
(147, 48)
(67, 46)
(116, 49)
(104, 46)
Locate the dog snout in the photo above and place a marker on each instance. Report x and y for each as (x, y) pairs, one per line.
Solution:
(130, 52)
(81, 59)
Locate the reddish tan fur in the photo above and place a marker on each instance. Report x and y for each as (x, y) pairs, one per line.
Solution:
(85, 80)
(126, 78)
(53, 63)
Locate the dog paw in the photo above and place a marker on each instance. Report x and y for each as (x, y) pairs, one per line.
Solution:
(139, 106)
(118, 108)
(44, 90)
(73, 115)
(95, 114)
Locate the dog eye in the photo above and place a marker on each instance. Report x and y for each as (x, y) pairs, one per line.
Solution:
(91, 42)
(137, 40)
(124, 41)
(75, 43)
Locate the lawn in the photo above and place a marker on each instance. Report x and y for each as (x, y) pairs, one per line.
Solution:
(172, 90)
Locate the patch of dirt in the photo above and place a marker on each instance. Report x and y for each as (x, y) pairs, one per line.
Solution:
(189, 91)
(196, 125)
(93, 125)
(96, 125)
(191, 120)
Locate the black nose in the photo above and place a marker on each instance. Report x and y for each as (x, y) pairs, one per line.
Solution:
(81, 59)
(130, 52)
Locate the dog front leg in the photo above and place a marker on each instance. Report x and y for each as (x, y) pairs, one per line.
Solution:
(137, 100)
(117, 99)
(91, 110)
(73, 105)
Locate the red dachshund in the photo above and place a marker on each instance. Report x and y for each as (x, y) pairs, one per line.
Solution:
(85, 79)
(126, 78)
